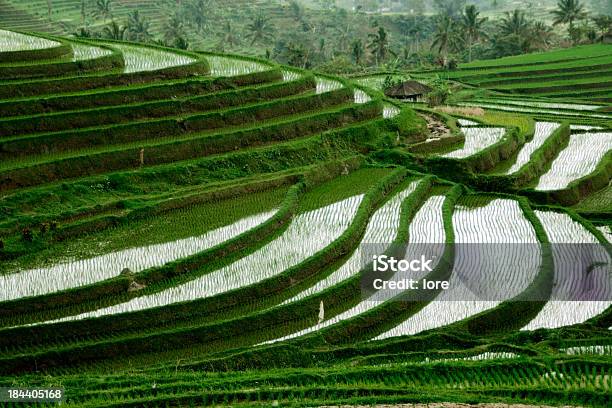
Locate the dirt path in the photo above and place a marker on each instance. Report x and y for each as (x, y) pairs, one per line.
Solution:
(437, 129)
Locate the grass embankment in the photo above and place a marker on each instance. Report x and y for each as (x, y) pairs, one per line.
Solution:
(311, 154)
(162, 107)
(553, 73)
(181, 223)
(189, 147)
(125, 189)
(567, 54)
(232, 303)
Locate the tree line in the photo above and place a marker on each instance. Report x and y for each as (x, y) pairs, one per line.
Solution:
(335, 39)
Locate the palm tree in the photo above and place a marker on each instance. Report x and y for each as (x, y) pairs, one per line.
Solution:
(404, 25)
(357, 51)
(174, 31)
(199, 13)
(515, 23)
(138, 27)
(569, 11)
(515, 32)
(260, 30)
(592, 36)
(379, 44)
(114, 31)
(416, 33)
(503, 45)
(542, 35)
(603, 24)
(471, 24)
(104, 9)
(445, 37)
(229, 37)
(83, 32)
(297, 55)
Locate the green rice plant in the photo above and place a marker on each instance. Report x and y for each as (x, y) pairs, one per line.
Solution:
(316, 260)
(589, 350)
(70, 76)
(533, 70)
(581, 94)
(291, 75)
(164, 107)
(362, 97)
(92, 95)
(390, 111)
(566, 74)
(228, 66)
(479, 224)
(140, 58)
(541, 104)
(577, 160)
(82, 52)
(476, 140)
(181, 271)
(91, 161)
(185, 325)
(382, 228)
(111, 191)
(355, 318)
(12, 41)
(508, 108)
(587, 51)
(557, 85)
(87, 271)
(561, 228)
(530, 301)
(543, 130)
(327, 85)
(316, 229)
(524, 123)
(597, 202)
(84, 59)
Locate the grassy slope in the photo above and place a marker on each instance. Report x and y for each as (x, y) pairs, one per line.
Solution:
(601, 201)
(182, 223)
(558, 71)
(340, 384)
(603, 79)
(354, 183)
(585, 51)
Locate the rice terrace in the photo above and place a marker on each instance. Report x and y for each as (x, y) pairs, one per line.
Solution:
(191, 193)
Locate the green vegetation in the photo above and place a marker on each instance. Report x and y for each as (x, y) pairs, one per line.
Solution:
(332, 36)
(175, 225)
(598, 202)
(566, 55)
(190, 228)
(577, 72)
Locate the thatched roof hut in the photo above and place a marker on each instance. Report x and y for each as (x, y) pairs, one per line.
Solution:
(412, 90)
